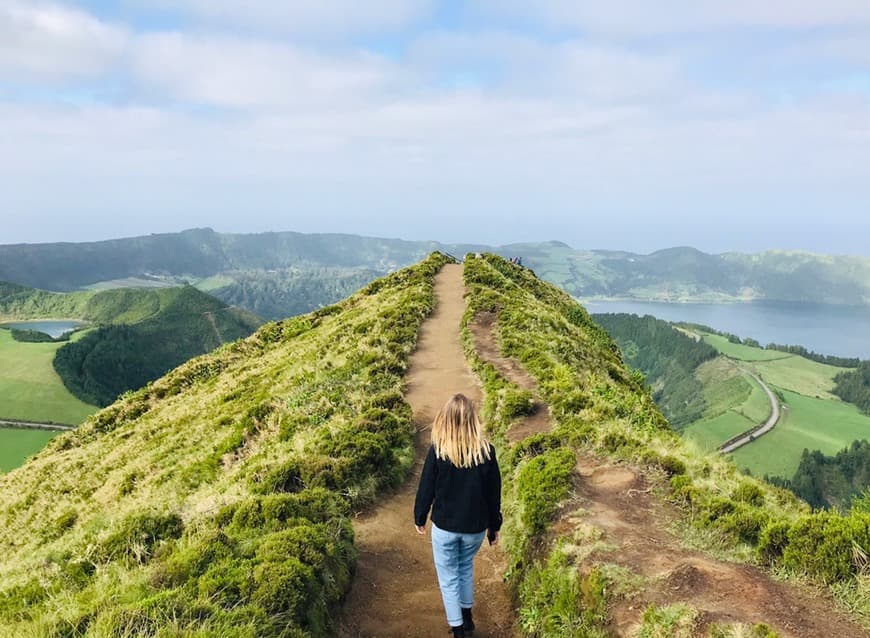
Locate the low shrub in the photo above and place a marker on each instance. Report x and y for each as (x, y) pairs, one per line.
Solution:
(823, 544)
(744, 523)
(543, 482)
(772, 541)
(749, 493)
(517, 403)
(136, 536)
(557, 601)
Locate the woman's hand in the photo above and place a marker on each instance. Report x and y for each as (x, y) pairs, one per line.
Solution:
(421, 529)
(495, 538)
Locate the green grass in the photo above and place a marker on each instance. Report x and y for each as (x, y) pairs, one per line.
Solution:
(814, 418)
(16, 444)
(735, 403)
(741, 352)
(800, 375)
(807, 423)
(216, 501)
(709, 434)
(30, 389)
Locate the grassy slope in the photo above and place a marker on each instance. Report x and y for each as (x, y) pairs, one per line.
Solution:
(741, 352)
(813, 419)
(597, 405)
(800, 375)
(183, 323)
(807, 423)
(30, 389)
(735, 403)
(215, 501)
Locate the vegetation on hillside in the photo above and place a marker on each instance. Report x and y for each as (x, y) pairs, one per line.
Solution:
(831, 481)
(253, 264)
(284, 293)
(854, 386)
(597, 405)
(142, 333)
(113, 359)
(216, 500)
(667, 358)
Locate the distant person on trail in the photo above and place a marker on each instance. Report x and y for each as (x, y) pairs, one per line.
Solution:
(461, 483)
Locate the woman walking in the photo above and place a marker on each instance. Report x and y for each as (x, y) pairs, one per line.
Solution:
(461, 483)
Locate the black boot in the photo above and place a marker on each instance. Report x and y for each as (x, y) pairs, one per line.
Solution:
(458, 632)
(467, 622)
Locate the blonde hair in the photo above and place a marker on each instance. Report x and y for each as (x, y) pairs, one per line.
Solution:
(457, 433)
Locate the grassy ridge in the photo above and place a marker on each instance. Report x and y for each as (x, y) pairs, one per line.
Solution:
(257, 270)
(598, 405)
(215, 501)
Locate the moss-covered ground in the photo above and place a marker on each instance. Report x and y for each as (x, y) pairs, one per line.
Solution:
(216, 500)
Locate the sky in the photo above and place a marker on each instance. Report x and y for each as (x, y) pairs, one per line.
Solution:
(626, 124)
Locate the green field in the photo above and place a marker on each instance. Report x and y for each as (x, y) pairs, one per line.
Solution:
(800, 375)
(30, 389)
(741, 352)
(710, 433)
(812, 417)
(807, 423)
(17, 444)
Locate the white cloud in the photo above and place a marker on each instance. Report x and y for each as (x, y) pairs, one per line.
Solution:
(642, 17)
(523, 65)
(307, 17)
(51, 40)
(244, 73)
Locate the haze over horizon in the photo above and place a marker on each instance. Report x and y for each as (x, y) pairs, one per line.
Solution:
(457, 241)
(724, 126)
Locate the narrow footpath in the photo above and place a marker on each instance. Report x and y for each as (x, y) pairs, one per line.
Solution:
(395, 592)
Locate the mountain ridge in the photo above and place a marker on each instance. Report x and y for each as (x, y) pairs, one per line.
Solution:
(255, 269)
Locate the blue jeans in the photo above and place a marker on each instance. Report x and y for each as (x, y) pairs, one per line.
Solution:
(454, 562)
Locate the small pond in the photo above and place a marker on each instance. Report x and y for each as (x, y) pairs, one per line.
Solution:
(52, 327)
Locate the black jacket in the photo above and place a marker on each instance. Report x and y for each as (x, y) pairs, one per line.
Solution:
(466, 500)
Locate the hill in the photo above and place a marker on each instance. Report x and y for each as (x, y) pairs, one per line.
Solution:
(280, 274)
(713, 377)
(113, 359)
(668, 359)
(140, 334)
(217, 501)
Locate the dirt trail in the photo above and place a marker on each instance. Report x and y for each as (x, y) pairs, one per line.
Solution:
(618, 500)
(395, 591)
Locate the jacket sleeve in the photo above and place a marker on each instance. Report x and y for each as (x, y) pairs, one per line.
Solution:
(493, 496)
(426, 489)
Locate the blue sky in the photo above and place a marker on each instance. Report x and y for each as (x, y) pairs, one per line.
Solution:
(628, 124)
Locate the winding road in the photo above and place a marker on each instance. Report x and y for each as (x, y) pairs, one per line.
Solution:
(759, 430)
(29, 425)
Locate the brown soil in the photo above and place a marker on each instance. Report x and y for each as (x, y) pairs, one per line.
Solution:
(395, 591)
(619, 501)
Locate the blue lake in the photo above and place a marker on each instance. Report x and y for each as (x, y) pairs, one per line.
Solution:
(53, 328)
(828, 329)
